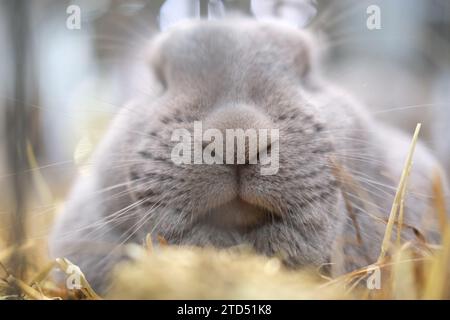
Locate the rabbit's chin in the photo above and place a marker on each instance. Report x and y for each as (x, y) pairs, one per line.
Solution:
(238, 213)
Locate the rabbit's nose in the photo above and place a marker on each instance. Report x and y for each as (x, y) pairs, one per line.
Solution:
(245, 131)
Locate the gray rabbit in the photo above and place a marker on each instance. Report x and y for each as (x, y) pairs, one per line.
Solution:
(338, 168)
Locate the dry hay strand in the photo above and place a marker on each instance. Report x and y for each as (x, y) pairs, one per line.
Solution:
(174, 272)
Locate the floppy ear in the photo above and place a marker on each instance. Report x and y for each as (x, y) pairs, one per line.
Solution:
(306, 54)
(296, 45)
(155, 59)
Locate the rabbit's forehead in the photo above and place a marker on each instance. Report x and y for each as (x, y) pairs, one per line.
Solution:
(220, 42)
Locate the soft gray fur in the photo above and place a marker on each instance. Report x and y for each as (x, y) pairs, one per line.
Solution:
(244, 74)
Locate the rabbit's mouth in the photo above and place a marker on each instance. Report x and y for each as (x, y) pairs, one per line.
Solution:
(238, 213)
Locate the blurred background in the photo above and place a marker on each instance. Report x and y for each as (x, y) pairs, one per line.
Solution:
(67, 66)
